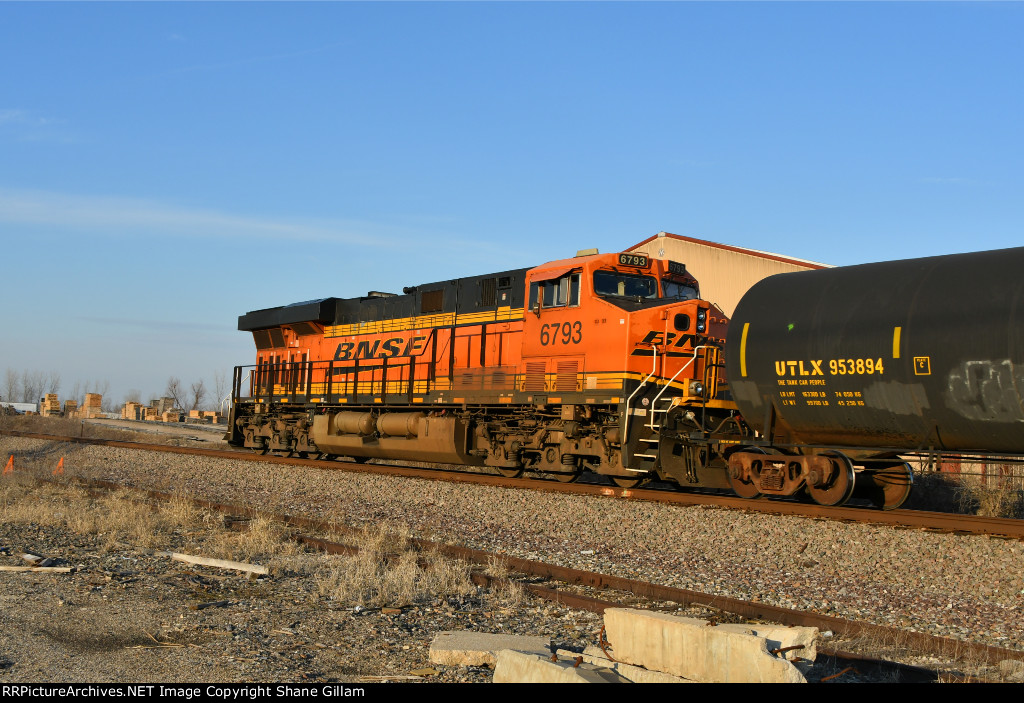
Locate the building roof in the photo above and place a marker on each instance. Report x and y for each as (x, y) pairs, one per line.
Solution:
(740, 250)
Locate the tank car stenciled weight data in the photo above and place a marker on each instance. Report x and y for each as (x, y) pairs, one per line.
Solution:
(613, 363)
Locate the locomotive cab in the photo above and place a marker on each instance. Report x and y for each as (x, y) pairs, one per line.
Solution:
(629, 323)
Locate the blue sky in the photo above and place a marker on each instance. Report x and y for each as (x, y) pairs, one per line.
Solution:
(165, 168)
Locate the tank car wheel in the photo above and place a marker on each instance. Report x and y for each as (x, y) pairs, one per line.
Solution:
(302, 455)
(838, 488)
(628, 481)
(566, 477)
(891, 486)
(741, 487)
(510, 472)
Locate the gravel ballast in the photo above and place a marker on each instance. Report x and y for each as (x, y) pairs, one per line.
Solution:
(960, 586)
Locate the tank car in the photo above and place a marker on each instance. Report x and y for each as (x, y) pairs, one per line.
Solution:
(574, 365)
(921, 355)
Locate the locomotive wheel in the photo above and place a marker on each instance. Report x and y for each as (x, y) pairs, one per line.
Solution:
(628, 481)
(566, 477)
(892, 486)
(839, 486)
(510, 472)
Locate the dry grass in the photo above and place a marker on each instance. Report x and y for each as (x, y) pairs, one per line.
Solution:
(387, 571)
(981, 495)
(991, 496)
(507, 593)
(116, 517)
(65, 427)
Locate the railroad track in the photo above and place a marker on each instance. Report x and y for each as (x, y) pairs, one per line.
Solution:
(941, 522)
(918, 643)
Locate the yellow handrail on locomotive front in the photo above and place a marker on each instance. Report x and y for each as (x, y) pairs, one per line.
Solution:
(671, 380)
(654, 369)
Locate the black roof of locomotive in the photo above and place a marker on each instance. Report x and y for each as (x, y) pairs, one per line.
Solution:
(467, 296)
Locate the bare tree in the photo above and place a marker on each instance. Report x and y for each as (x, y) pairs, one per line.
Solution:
(133, 396)
(12, 386)
(177, 391)
(32, 385)
(221, 387)
(53, 382)
(198, 394)
(101, 387)
(76, 394)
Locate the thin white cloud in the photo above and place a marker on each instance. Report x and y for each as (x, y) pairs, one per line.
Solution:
(28, 126)
(120, 216)
(8, 117)
(430, 238)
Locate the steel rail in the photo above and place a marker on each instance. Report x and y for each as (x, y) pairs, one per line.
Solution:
(928, 520)
(918, 641)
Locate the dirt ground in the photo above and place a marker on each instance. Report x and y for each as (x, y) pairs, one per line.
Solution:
(127, 613)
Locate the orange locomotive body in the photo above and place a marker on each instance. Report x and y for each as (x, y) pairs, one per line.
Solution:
(609, 363)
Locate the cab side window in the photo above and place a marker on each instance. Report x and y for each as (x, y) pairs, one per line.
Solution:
(559, 292)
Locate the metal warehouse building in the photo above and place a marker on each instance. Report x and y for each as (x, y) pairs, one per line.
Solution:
(724, 272)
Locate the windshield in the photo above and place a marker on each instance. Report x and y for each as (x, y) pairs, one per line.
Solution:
(674, 289)
(624, 284)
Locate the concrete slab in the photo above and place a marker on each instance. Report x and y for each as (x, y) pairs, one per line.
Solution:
(693, 649)
(466, 648)
(521, 667)
(635, 674)
(804, 640)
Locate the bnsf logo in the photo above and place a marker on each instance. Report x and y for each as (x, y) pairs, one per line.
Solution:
(379, 349)
(672, 339)
(663, 342)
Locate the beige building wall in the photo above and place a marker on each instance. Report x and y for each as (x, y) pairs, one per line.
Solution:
(724, 272)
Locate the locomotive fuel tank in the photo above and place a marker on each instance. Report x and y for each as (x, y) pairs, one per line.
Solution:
(900, 355)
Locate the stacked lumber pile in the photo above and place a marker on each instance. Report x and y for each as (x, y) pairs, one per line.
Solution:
(70, 408)
(50, 405)
(92, 407)
(171, 416)
(133, 411)
(152, 414)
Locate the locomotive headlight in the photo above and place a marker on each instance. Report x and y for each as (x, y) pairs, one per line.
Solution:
(696, 388)
(701, 320)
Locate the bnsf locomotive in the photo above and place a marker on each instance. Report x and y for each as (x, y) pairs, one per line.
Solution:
(614, 364)
(609, 363)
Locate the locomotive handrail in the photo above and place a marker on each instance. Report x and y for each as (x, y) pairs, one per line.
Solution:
(669, 382)
(625, 419)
